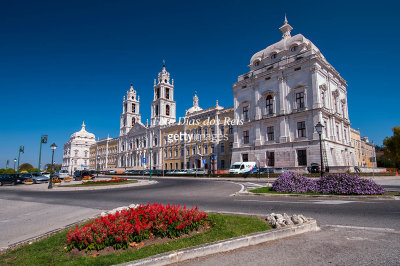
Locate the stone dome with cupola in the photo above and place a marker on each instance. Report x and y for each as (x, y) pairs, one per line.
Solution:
(83, 134)
(195, 107)
(287, 46)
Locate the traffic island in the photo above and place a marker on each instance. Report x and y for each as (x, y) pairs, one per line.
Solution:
(218, 233)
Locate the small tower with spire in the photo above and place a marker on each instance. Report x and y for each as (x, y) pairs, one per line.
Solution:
(163, 106)
(285, 29)
(130, 111)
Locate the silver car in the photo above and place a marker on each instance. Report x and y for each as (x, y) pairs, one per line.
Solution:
(36, 177)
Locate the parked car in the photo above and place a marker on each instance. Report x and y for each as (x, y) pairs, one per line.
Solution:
(265, 171)
(79, 175)
(243, 168)
(280, 170)
(314, 168)
(111, 172)
(172, 172)
(61, 174)
(11, 179)
(46, 174)
(36, 177)
(199, 171)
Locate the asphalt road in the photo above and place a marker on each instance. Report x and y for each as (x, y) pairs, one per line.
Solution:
(373, 223)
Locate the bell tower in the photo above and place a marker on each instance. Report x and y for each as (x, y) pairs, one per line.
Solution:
(163, 107)
(130, 111)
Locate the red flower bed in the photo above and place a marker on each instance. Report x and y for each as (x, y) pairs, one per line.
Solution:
(133, 225)
(107, 181)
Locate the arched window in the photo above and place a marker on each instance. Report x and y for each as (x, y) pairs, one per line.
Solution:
(133, 121)
(158, 93)
(156, 109)
(167, 109)
(155, 142)
(293, 48)
(269, 105)
(133, 108)
(167, 93)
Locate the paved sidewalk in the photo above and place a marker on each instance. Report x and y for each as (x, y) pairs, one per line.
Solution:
(22, 220)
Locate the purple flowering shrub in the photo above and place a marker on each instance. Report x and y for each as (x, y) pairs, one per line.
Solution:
(294, 183)
(340, 184)
(345, 184)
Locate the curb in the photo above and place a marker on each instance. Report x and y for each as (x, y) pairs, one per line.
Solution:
(88, 188)
(317, 196)
(226, 245)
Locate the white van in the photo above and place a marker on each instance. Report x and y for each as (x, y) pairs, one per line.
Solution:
(243, 168)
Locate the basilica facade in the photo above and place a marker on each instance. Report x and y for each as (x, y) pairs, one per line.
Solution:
(289, 89)
(143, 144)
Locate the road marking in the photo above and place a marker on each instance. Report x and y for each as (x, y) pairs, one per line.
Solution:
(378, 229)
(334, 202)
(267, 201)
(327, 202)
(240, 191)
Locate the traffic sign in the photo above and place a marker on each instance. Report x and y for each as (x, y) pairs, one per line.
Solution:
(144, 160)
(204, 161)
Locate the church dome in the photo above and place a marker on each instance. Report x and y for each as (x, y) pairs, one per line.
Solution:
(83, 134)
(288, 43)
(195, 107)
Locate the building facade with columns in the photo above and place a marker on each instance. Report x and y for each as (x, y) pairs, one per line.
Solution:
(76, 151)
(103, 154)
(201, 139)
(289, 89)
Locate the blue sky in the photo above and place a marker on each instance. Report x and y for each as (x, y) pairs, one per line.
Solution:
(63, 62)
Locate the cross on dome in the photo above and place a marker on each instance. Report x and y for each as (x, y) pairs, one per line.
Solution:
(83, 125)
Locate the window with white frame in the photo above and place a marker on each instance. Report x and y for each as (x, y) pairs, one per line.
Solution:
(269, 105)
(245, 113)
(301, 129)
(300, 100)
(246, 137)
(270, 133)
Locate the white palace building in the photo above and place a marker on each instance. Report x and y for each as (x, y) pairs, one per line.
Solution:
(289, 89)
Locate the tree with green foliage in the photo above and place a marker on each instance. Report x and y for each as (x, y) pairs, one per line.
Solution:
(7, 171)
(391, 146)
(56, 167)
(25, 166)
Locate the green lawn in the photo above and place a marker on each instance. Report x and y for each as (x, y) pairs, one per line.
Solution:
(268, 190)
(50, 251)
(99, 184)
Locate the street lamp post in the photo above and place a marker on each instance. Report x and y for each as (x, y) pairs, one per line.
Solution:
(15, 160)
(21, 149)
(53, 147)
(98, 166)
(43, 139)
(319, 127)
(151, 151)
